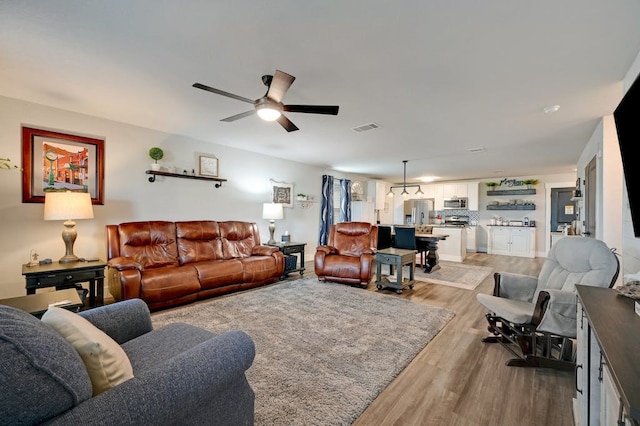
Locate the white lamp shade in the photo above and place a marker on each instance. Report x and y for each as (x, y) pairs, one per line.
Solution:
(272, 211)
(67, 205)
(268, 114)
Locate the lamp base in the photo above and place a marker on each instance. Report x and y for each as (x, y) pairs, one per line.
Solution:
(69, 259)
(69, 235)
(272, 229)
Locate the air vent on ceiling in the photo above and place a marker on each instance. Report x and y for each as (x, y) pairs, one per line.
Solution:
(476, 150)
(366, 127)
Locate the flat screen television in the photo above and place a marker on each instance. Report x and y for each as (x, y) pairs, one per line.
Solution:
(627, 119)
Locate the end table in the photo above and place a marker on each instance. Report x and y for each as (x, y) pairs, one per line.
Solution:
(291, 248)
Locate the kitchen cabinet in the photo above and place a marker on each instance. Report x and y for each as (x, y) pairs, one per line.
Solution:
(376, 192)
(363, 211)
(454, 190)
(473, 195)
(512, 241)
(472, 235)
(607, 392)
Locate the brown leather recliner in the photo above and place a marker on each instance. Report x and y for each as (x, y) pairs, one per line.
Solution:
(349, 256)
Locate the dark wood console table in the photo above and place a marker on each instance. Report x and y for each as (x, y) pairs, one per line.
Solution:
(616, 326)
(66, 275)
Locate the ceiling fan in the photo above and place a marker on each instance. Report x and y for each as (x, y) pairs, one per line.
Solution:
(270, 106)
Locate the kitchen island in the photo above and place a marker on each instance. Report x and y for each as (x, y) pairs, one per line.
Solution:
(454, 247)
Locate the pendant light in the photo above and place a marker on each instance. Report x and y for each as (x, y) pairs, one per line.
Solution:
(404, 185)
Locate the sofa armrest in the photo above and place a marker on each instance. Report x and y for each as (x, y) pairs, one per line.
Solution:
(515, 286)
(327, 249)
(263, 250)
(124, 263)
(203, 384)
(122, 321)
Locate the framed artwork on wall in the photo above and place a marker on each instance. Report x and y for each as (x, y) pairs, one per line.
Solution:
(55, 161)
(282, 193)
(207, 166)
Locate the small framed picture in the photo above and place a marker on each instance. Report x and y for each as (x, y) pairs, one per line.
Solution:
(208, 166)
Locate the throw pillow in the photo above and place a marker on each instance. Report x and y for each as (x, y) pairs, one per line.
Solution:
(106, 362)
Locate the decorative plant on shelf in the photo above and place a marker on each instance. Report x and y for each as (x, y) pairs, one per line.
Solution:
(156, 154)
(301, 197)
(530, 182)
(5, 164)
(491, 185)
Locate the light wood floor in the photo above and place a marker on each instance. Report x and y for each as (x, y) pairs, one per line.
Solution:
(457, 379)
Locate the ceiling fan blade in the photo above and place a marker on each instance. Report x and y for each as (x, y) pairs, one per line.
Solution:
(312, 109)
(222, 92)
(239, 116)
(279, 85)
(287, 124)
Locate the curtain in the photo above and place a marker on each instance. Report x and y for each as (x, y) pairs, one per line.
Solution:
(326, 209)
(345, 200)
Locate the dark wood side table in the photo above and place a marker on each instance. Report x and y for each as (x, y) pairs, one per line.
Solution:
(291, 249)
(65, 275)
(37, 304)
(398, 258)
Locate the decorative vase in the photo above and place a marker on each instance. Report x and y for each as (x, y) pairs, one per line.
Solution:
(155, 167)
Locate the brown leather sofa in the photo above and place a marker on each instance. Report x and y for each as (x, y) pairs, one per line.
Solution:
(349, 256)
(172, 263)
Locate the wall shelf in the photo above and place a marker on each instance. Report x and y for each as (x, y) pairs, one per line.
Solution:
(305, 204)
(531, 191)
(155, 173)
(512, 207)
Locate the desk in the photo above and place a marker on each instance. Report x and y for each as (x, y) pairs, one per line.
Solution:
(37, 304)
(431, 241)
(395, 257)
(65, 275)
(291, 249)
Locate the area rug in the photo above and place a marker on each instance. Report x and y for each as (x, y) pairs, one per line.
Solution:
(324, 351)
(455, 274)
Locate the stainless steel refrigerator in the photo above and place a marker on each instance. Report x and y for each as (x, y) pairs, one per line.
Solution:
(416, 212)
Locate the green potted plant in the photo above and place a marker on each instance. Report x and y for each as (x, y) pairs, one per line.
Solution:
(301, 197)
(156, 154)
(491, 185)
(530, 182)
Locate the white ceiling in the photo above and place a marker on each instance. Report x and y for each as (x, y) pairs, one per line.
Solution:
(441, 77)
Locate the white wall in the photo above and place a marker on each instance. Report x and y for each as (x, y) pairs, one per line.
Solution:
(129, 196)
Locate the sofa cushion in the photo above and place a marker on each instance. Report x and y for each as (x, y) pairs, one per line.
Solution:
(169, 283)
(151, 244)
(198, 241)
(217, 273)
(41, 375)
(106, 362)
(238, 238)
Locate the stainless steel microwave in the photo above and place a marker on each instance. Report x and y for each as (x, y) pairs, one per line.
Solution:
(456, 203)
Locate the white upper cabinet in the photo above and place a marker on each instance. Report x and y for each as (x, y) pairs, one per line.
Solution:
(454, 190)
(473, 195)
(377, 193)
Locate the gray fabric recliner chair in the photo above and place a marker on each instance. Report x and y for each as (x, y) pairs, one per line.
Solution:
(537, 315)
(183, 375)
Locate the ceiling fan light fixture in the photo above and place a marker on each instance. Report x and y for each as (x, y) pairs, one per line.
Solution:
(268, 112)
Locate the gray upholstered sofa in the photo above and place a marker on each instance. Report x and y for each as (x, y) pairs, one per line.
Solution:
(182, 374)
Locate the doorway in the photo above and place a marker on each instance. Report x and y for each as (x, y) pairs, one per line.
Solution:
(563, 210)
(590, 177)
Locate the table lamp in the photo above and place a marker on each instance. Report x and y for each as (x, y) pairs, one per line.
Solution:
(68, 206)
(273, 212)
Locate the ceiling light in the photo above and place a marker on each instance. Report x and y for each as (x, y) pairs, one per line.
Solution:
(404, 185)
(551, 109)
(268, 114)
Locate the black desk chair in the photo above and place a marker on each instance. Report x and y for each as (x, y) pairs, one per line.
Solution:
(384, 237)
(405, 238)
